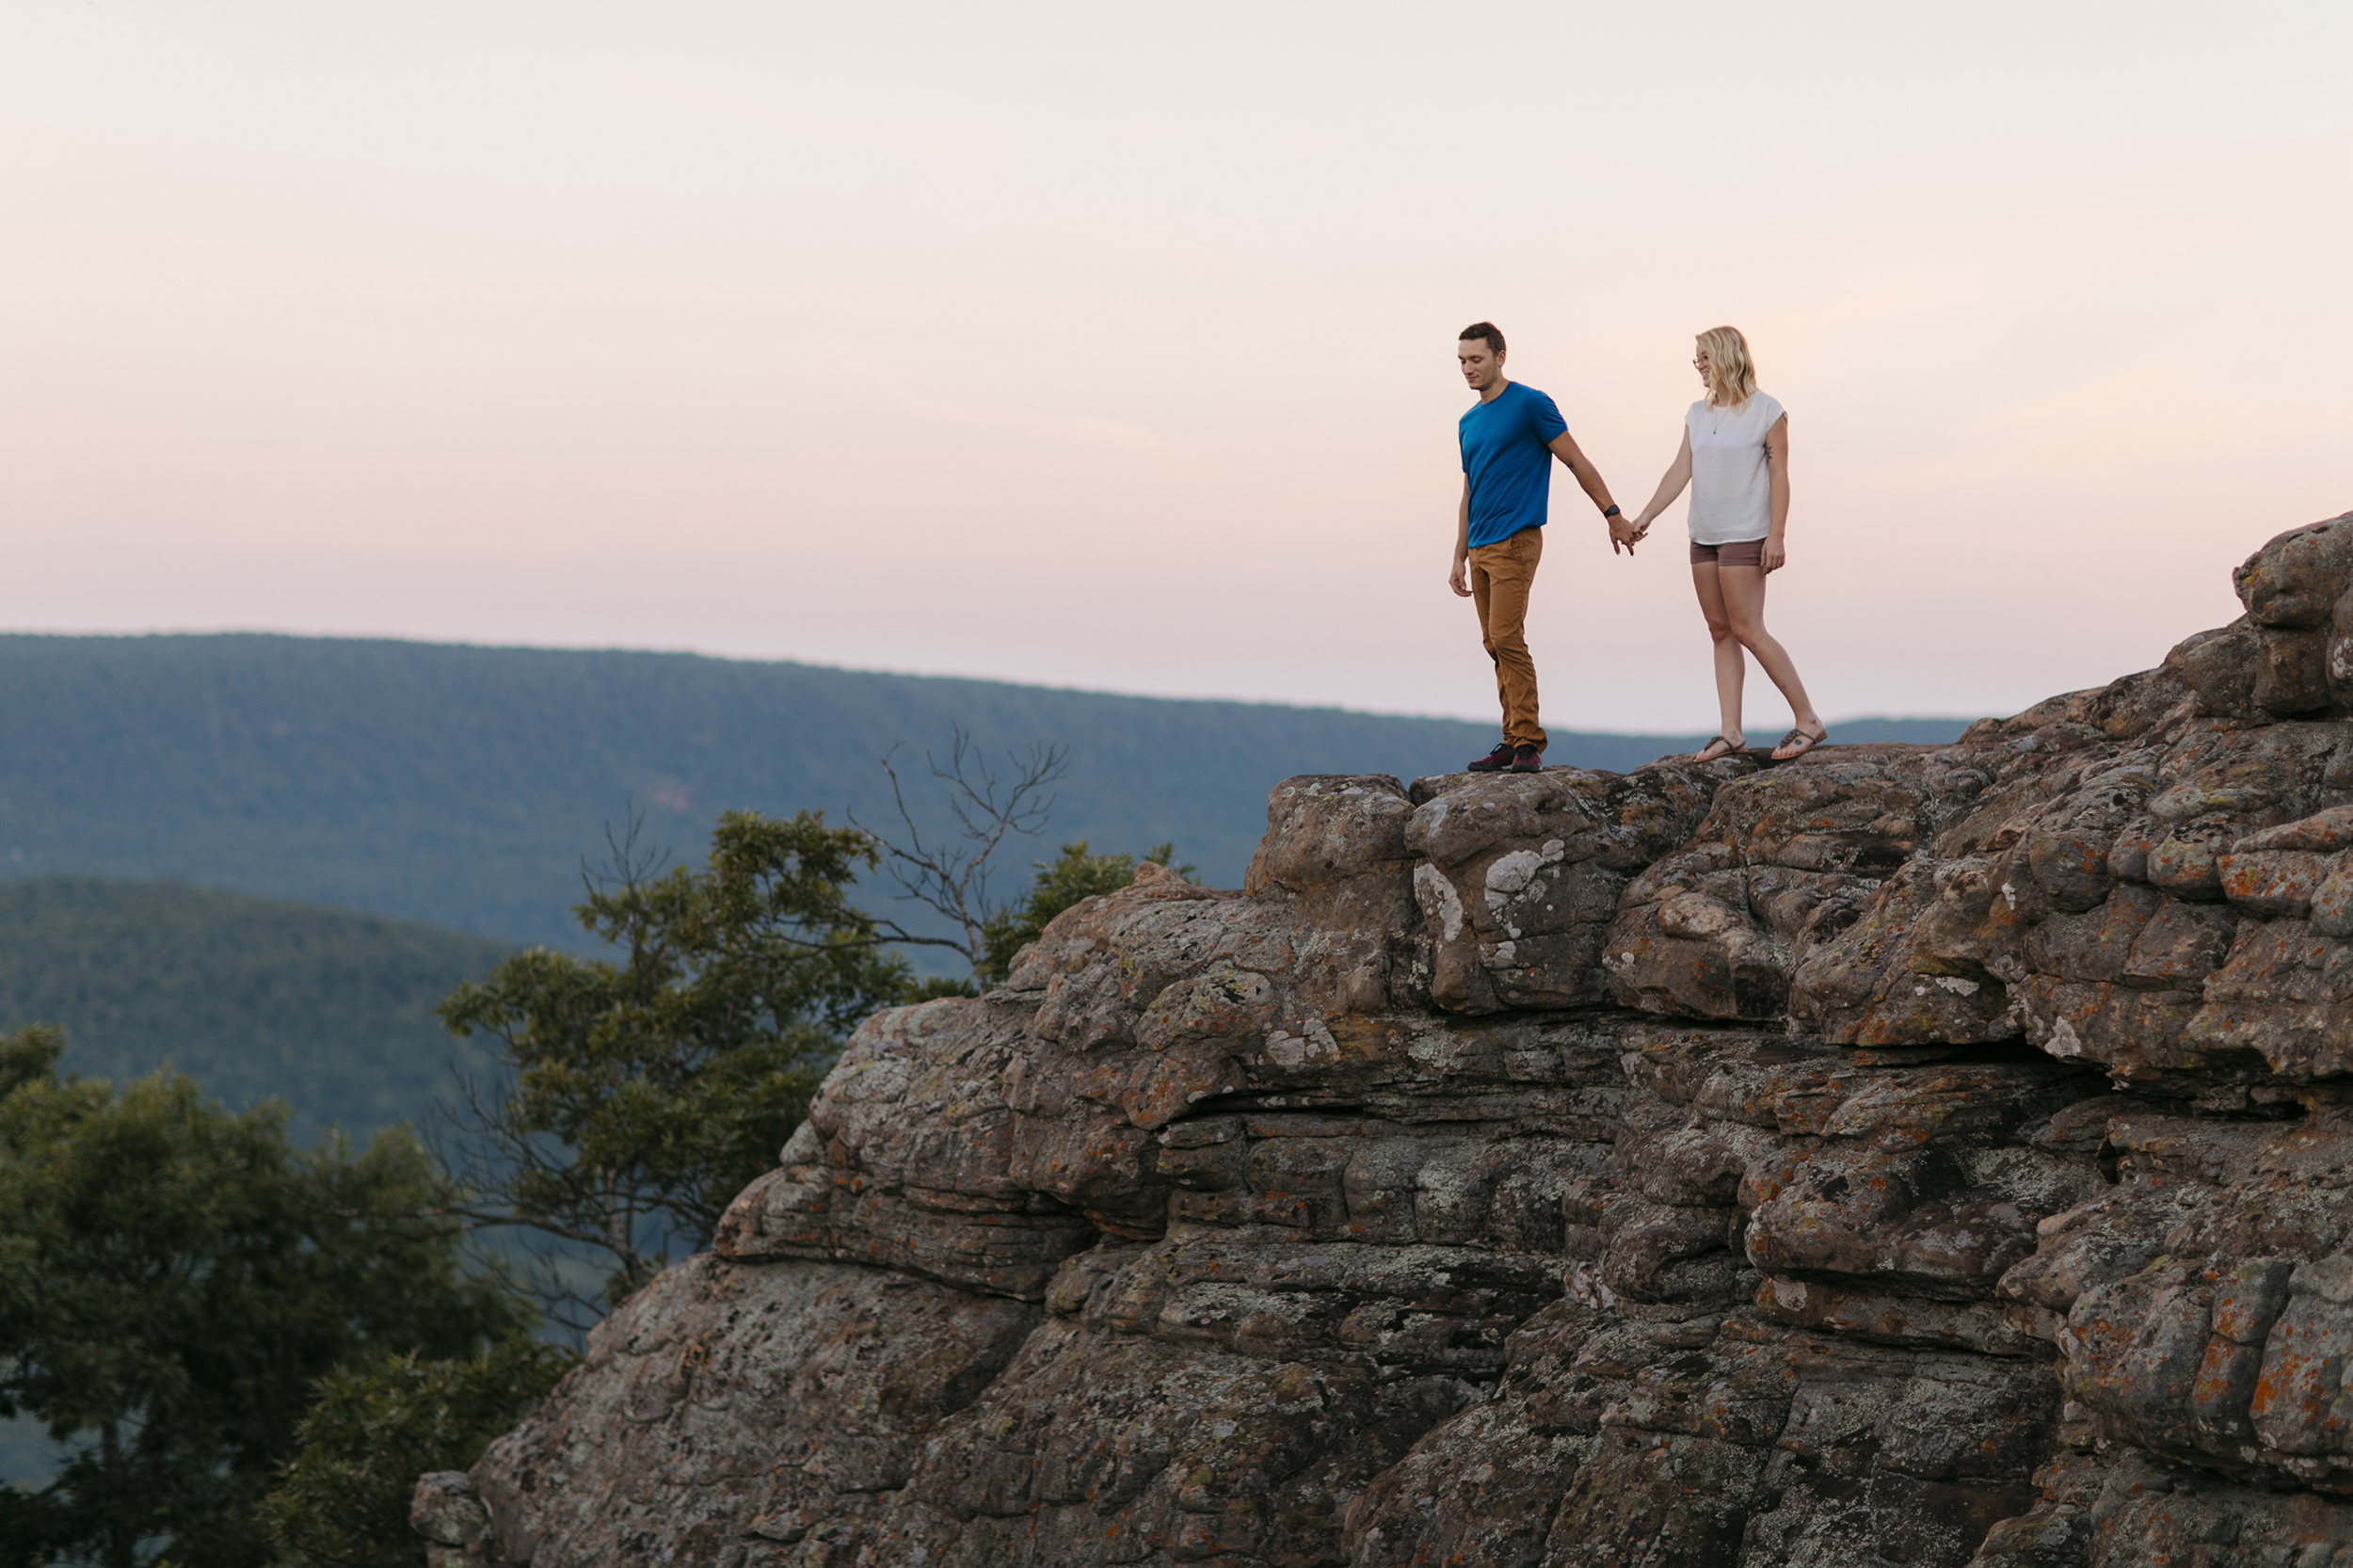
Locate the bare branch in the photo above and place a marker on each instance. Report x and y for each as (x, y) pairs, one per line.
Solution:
(951, 879)
(626, 866)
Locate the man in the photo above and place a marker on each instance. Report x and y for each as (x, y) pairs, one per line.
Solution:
(1509, 438)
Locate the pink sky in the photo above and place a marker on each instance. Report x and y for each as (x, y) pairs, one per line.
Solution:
(1113, 346)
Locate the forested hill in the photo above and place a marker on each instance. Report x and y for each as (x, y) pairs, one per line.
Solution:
(329, 1010)
(464, 784)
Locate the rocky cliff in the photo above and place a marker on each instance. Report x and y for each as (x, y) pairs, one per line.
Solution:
(1909, 1155)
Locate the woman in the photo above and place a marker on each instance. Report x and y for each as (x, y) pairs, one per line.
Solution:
(1735, 458)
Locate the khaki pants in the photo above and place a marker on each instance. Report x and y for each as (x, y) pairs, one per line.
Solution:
(1500, 575)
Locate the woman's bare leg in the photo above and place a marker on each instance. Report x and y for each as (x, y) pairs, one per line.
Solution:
(1741, 591)
(1731, 668)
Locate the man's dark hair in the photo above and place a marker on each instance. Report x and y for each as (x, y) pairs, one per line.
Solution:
(1484, 330)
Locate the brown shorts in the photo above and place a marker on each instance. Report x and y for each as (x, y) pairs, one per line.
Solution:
(1740, 552)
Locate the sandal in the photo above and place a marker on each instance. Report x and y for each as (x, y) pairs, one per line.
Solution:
(1804, 742)
(1709, 754)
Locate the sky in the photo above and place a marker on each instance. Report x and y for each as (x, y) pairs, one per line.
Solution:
(1113, 346)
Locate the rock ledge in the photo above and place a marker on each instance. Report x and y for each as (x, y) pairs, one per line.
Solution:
(1910, 1155)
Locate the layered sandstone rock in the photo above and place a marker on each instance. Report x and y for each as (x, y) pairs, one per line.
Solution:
(1907, 1156)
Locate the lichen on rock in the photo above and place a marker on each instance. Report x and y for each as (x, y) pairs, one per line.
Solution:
(1907, 1155)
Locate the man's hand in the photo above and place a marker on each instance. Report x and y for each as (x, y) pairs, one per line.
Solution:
(1775, 556)
(1459, 580)
(1623, 532)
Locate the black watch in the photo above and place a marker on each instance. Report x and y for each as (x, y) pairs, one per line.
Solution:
(1609, 511)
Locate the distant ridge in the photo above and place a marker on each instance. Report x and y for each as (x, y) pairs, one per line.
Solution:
(327, 1010)
(463, 785)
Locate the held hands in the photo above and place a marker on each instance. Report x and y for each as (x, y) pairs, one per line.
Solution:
(1625, 533)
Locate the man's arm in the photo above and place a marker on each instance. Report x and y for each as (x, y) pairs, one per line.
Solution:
(1459, 580)
(1621, 527)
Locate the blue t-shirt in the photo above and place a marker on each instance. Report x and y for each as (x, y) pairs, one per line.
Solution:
(1508, 459)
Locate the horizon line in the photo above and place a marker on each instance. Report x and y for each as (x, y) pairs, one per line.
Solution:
(677, 652)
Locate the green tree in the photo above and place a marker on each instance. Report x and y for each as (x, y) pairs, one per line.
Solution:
(172, 1278)
(374, 1427)
(639, 1095)
(1074, 875)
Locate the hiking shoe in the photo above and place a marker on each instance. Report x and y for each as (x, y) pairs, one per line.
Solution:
(1496, 760)
(1526, 759)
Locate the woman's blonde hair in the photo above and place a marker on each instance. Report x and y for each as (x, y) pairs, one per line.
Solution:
(1731, 373)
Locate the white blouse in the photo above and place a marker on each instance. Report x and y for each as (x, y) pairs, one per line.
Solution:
(1731, 485)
